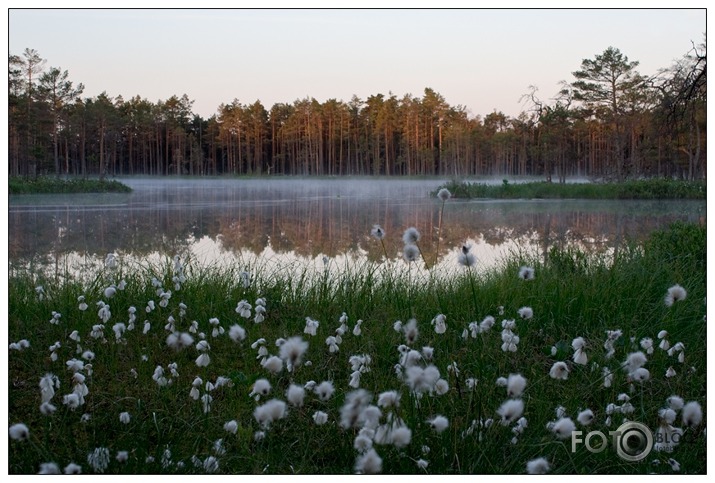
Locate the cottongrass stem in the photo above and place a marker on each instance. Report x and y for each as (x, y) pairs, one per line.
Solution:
(411, 236)
(379, 233)
(443, 195)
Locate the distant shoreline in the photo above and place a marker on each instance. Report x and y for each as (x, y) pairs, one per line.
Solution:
(494, 187)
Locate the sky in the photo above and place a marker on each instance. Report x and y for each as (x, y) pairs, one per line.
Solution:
(482, 59)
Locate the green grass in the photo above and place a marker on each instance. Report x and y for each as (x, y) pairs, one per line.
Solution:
(648, 189)
(48, 184)
(572, 295)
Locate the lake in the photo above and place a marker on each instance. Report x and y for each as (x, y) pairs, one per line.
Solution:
(280, 221)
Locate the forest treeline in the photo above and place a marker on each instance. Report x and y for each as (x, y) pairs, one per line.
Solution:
(610, 122)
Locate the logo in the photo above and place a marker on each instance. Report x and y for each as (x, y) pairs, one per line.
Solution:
(632, 441)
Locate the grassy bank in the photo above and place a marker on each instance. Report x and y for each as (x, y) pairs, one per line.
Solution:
(48, 184)
(176, 424)
(639, 189)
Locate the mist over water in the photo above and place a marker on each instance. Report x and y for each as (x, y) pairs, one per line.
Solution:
(278, 222)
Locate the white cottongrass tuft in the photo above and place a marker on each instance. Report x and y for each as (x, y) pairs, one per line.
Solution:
(611, 337)
(640, 375)
(692, 414)
(439, 323)
(273, 364)
(292, 352)
(237, 333)
(526, 273)
(206, 401)
(362, 443)
(179, 340)
(368, 463)
(675, 402)
(324, 390)
(260, 388)
(465, 257)
(411, 236)
(47, 408)
(510, 411)
(579, 347)
(355, 402)
(526, 313)
(559, 371)
(203, 360)
(19, 432)
(675, 293)
(210, 464)
(269, 412)
(125, 417)
(243, 309)
(663, 337)
(441, 387)
(585, 417)
(49, 468)
(231, 426)
(486, 324)
(320, 418)
(422, 380)
(411, 331)
(410, 253)
(634, 361)
(311, 326)
(73, 469)
(538, 466)
(295, 395)
(646, 344)
(388, 399)
(72, 401)
(99, 459)
(439, 423)
(668, 415)
(563, 428)
(24, 344)
(333, 345)
(515, 385)
(377, 232)
(401, 436)
(444, 194)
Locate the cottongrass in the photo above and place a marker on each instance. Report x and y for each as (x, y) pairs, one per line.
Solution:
(692, 414)
(408, 416)
(563, 428)
(99, 459)
(270, 412)
(538, 466)
(675, 293)
(526, 273)
(515, 385)
(439, 423)
(510, 411)
(19, 432)
(368, 463)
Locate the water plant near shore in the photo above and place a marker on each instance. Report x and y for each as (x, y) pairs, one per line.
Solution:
(645, 189)
(46, 184)
(425, 400)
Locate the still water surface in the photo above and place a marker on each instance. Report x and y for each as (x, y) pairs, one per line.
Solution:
(279, 222)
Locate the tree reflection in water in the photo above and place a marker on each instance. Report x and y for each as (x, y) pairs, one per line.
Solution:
(222, 221)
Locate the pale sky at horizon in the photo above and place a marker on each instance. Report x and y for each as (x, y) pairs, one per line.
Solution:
(482, 59)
